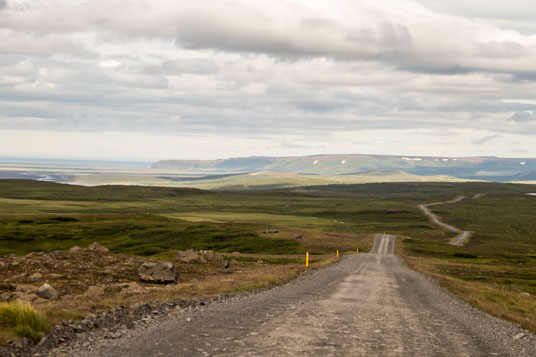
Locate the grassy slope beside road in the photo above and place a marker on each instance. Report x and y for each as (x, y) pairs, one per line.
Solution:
(496, 269)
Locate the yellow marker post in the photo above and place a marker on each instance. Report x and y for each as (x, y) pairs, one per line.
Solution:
(337, 252)
(357, 250)
(307, 260)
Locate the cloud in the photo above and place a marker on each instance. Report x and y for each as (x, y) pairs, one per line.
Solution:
(514, 14)
(523, 116)
(408, 35)
(262, 69)
(486, 138)
(185, 65)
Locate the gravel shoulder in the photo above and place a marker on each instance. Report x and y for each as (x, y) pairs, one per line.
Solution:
(367, 304)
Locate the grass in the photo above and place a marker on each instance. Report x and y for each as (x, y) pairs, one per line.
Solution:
(495, 270)
(135, 234)
(22, 320)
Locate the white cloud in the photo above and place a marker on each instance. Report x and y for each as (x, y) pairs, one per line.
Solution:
(264, 69)
(110, 64)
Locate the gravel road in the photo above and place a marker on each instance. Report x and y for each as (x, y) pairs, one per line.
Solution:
(367, 304)
(462, 235)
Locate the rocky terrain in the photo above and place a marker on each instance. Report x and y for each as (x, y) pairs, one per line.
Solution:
(93, 293)
(92, 272)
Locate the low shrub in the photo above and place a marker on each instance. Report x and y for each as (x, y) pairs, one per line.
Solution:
(465, 255)
(23, 320)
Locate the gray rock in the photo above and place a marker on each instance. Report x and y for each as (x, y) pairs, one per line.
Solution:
(188, 256)
(75, 249)
(47, 292)
(212, 257)
(25, 288)
(5, 297)
(519, 336)
(97, 247)
(160, 272)
(35, 277)
(28, 297)
(94, 291)
(16, 277)
(268, 231)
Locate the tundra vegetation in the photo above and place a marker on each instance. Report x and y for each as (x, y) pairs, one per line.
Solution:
(40, 221)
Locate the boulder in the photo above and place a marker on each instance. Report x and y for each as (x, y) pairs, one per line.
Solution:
(35, 277)
(188, 256)
(161, 272)
(25, 288)
(77, 249)
(135, 287)
(268, 231)
(212, 257)
(94, 291)
(16, 277)
(5, 297)
(47, 292)
(28, 297)
(7, 287)
(97, 247)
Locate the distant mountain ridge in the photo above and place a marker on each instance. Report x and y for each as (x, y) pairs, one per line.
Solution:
(474, 168)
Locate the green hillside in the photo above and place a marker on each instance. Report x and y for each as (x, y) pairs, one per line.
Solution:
(475, 168)
(257, 180)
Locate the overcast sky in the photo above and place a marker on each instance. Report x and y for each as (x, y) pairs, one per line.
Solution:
(176, 79)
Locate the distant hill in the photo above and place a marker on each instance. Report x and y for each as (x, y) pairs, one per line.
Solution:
(471, 168)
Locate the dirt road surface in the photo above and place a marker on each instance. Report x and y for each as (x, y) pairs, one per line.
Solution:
(365, 305)
(462, 235)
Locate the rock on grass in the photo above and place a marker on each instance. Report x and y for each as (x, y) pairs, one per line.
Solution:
(97, 247)
(161, 272)
(47, 292)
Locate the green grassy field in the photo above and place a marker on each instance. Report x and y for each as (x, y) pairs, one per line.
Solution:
(495, 270)
(255, 181)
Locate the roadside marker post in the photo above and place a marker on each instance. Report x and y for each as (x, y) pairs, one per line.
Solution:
(357, 251)
(337, 252)
(307, 260)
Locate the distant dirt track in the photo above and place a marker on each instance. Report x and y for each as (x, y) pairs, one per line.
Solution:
(365, 305)
(462, 236)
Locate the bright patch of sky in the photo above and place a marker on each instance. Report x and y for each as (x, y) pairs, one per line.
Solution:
(149, 80)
